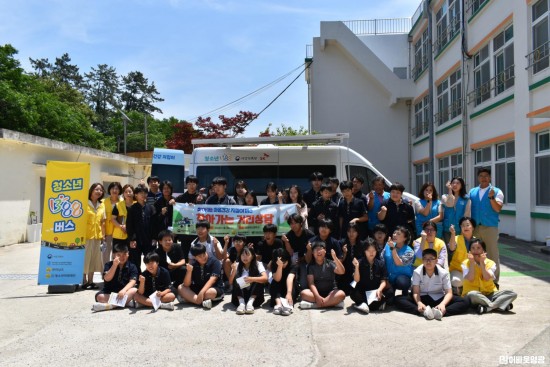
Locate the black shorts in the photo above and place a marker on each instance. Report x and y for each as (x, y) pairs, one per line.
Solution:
(196, 289)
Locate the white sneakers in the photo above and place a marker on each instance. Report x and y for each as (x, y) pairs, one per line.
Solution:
(305, 305)
(96, 307)
(240, 309)
(207, 304)
(433, 313)
(167, 306)
(249, 309)
(363, 307)
(281, 310)
(428, 313)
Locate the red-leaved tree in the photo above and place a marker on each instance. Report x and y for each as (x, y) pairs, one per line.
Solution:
(183, 132)
(229, 127)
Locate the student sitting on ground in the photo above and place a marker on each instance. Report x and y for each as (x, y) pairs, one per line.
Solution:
(321, 279)
(265, 248)
(171, 257)
(234, 252)
(284, 284)
(248, 277)
(380, 234)
(155, 279)
(203, 283)
(460, 245)
(432, 294)
(399, 258)
(213, 246)
(428, 239)
(120, 277)
(370, 275)
(479, 281)
(351, 249)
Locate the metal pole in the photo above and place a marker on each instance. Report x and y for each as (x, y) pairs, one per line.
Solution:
(431, 131)
(145, 123)
(125, 134)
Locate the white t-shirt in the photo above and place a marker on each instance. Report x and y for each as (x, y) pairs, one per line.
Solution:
(259, 264)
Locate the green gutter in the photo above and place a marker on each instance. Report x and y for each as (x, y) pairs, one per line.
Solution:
(493, 106)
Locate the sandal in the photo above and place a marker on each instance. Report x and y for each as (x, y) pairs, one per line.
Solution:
(93, 286)
(86, 286)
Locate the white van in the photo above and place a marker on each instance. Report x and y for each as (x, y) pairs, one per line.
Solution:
(258, 161)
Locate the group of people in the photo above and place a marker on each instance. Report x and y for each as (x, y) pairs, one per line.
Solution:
(440, 254)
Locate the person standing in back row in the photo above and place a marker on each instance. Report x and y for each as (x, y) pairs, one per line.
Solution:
(487, 202)
(220, 197)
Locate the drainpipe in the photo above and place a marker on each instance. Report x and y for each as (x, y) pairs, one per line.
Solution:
(431, 129)
(409, 129)
(466, 152)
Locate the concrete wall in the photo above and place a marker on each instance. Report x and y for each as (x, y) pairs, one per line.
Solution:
(354, 91)
(23, 162)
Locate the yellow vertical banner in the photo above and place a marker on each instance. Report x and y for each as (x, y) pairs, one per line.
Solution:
(64, 223)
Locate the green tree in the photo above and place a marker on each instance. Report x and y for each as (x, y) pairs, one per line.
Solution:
(102, 91)
(284, 130)
(138, 95)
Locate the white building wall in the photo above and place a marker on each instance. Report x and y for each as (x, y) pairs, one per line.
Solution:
(23, 161)
(340, 76)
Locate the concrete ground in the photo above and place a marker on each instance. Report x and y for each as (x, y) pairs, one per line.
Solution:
(37, 328)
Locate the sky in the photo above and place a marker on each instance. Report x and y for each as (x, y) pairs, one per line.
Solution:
(201, 54)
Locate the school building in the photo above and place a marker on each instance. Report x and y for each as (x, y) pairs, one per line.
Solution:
(23, 163)
(461, 85)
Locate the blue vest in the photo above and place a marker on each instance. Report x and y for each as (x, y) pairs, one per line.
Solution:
(453, 214)
(421, 219)
(394, 270)
(373, 214)
(482, 212)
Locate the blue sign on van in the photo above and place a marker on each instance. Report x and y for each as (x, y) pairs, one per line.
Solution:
(168, 156)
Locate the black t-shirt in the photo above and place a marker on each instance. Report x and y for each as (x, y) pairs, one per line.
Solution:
(266, 251)
(139, 225)
(298, 244)
(377, 272)
(121, 278)
(311, 196)
(186, 197)
(329, 209)
(348, 211)
(159, 282)
(332, 244)
(324, 277)
(175, 254)
(289, 269)
(354, 251)
(202, 274)
(399, 215)
(224, 200)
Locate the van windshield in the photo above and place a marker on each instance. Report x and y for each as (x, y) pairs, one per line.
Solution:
(257, 177)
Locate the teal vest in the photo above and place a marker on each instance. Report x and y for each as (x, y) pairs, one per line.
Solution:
(482, 212)
(453, 214)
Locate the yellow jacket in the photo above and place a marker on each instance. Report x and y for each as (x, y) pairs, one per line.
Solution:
(478, 284)
(95, 219)
(109, 226)
(438, 245)
(121, 218)
(460, 254)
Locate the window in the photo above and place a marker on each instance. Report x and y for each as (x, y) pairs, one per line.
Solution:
(447, 23)
(503, 51)
(367, 174)
(482, 75)
(449, 167)
(473, 6)
(482, 159)
(542, 168)
(422, 174)
(420, 55)
(443, 102)
(505, 171)
(503, 168)
(539, 58)
(449, 105)
(256, 177)
(421, 117)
